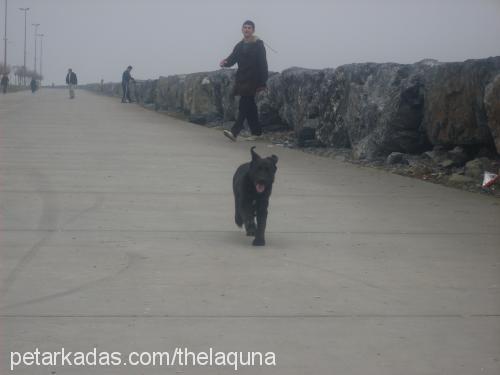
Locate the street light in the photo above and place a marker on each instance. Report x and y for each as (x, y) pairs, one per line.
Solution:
(36, 32)
(41, 56)
(5, 41)
(25, 10)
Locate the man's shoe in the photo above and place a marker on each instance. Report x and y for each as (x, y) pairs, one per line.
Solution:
(230, 135)
(253, 138)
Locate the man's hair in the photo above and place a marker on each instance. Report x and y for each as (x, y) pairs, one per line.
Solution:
(129, 67)
(249, 23)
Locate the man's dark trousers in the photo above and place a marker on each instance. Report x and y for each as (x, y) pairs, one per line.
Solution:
(126, 91)
(248, 111)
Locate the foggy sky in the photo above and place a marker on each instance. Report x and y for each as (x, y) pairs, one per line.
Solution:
(99, 38)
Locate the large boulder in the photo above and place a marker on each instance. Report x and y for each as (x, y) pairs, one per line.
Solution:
(455, 112)
(475, 168)
(297, 98)
(270, 101)
(144, 92)
(332, 130)
(202, 97)
(202, 103)
(170, 93)
(374, 108)
(107, 88)
(492, 104)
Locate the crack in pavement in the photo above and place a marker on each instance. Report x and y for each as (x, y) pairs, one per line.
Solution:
(131, 259)
(49, 218)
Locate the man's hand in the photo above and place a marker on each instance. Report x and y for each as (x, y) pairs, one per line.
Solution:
(260, 89)
(223, 63)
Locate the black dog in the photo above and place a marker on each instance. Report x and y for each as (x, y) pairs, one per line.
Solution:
(252, 186)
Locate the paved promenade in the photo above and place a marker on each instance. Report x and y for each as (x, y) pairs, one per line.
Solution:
(117, 232)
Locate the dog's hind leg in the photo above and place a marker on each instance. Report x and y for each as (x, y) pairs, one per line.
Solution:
(238, 219)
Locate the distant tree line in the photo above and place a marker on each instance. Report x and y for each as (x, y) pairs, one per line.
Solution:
(21, 75)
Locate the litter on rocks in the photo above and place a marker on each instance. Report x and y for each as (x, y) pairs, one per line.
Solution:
(489, 179)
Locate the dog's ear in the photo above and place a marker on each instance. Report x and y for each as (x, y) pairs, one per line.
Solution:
(255, 156)
(274, 159)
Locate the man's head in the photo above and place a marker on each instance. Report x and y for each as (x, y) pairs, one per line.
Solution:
(129, 68)
(248, 29)
(70, 70)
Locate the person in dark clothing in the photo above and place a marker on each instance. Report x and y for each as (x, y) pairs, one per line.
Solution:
(251, 78)
(126, 78)
(4, 83)
(33, 85)
(71, 81)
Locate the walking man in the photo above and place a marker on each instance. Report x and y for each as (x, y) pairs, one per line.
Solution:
(251, 78)
(33, 85)
(4, 83)
(71, 81)
(126, 78)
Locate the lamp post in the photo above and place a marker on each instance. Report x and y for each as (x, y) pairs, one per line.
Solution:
(41, 56)
(5, 41)
(25, 10)
(36, 33)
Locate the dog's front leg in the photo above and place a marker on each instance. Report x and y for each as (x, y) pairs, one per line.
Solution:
(248, 213)
(261, 223)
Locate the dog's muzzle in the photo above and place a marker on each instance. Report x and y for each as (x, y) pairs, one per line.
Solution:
(260, 187)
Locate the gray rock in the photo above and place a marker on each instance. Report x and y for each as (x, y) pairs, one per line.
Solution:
(492, 104)
(447, 163)
(144, 92)
(458, 156)
(376, 108)
(456, 178)
(431, 155)
(454, 109)
(300, 96)
(396, 158)
(312, 143)
(476, 168)
(170, 93)
(306, 135)
(269, 103)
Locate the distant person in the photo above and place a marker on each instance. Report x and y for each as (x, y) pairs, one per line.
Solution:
(33, 85)
(4, 83)
(126, 78)
(71, 81)
(102, 85)
(251, 78)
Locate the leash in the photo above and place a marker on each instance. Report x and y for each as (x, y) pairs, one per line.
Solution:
(271, 48)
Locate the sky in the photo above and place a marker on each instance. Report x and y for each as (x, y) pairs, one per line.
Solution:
(99, 38)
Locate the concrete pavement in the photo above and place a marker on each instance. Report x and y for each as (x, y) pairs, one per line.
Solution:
(117, 232)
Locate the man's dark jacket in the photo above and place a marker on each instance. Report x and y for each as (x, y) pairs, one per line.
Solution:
(252, 66)
(126, 77)
(5, 81)
(71, 78)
